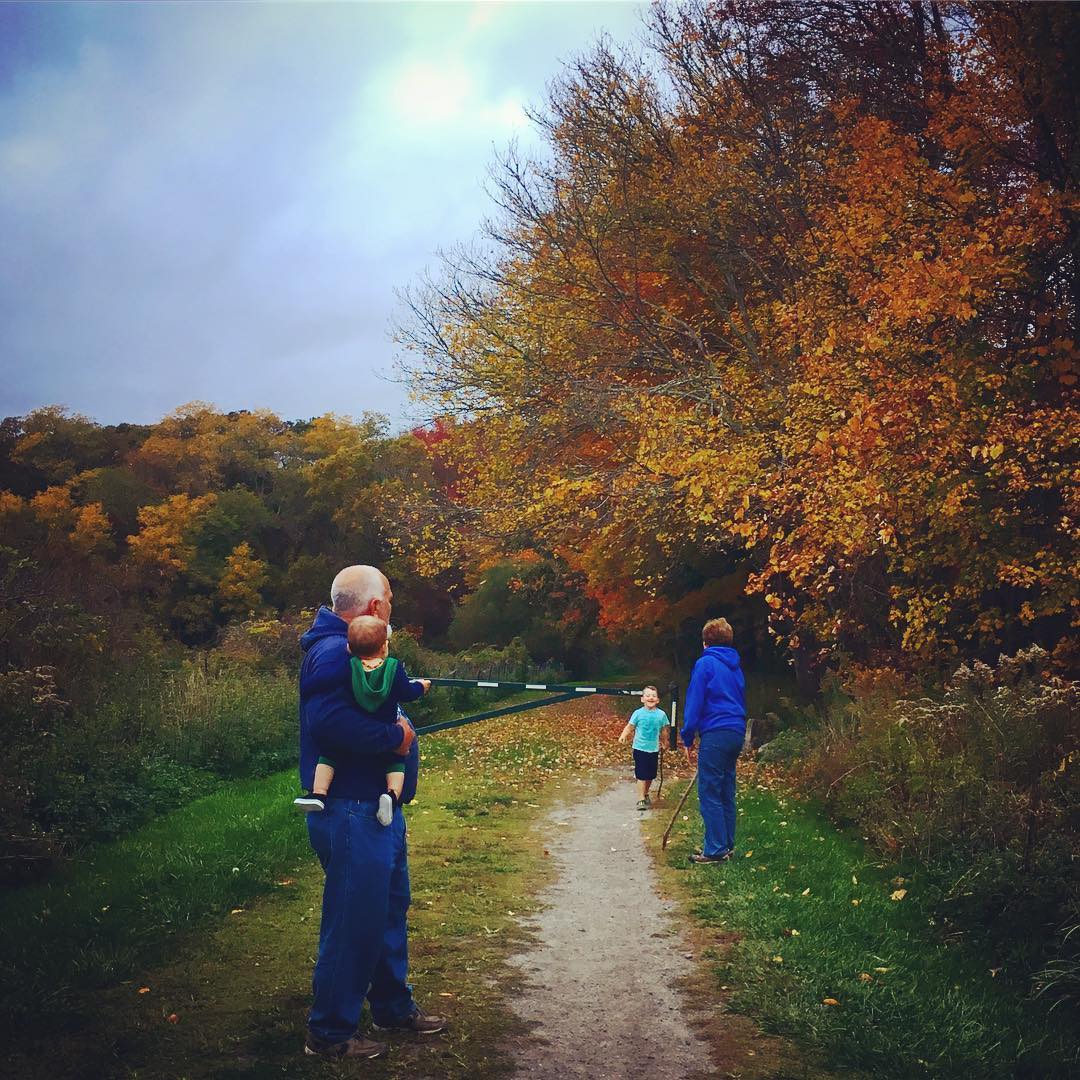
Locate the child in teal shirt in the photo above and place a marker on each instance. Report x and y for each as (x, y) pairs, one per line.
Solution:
(645, 724)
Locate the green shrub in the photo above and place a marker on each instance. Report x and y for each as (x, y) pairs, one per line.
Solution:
(788, 746)
(980, 784)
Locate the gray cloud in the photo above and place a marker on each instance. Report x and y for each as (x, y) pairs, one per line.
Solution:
(217, 202)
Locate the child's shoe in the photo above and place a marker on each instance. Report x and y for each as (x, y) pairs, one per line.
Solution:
(310, 803)
(385, 814)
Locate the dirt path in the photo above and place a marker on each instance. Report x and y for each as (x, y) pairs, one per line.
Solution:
(599, 981)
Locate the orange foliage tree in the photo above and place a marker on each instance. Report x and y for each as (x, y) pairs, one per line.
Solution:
(800, 294)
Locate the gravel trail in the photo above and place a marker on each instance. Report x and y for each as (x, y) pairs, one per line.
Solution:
(599, 979)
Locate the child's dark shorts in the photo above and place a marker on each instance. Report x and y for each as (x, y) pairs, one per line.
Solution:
(645, 764)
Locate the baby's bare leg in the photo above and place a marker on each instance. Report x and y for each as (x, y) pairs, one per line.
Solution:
(324, 777)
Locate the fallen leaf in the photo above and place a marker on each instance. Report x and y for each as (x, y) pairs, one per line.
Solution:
(898, 895)
(855, 903)
(748, 854)
(881, 970)
(144, 989)
(777, 959)
(287, 881)
(865, 976)
(805, 892)
(237, 911)
(173, 1018)
(829, 1001)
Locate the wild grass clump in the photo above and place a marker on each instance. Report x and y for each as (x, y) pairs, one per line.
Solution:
(981, 786)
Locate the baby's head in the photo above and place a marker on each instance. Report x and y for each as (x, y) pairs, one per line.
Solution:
(367, 637)
(650, 697)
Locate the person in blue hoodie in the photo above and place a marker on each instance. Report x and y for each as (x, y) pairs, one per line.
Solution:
(363, 937)
(715, 714)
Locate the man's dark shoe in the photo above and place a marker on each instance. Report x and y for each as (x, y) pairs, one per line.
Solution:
(418, 1023)
(697, 857)
(356, 1047)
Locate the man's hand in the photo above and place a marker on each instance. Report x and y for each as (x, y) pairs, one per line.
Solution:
(425, 683)
(689, 751)
(410, 737)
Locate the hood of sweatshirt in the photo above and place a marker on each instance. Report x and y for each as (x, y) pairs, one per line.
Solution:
(326, 624)
(725, 654)
(372, 688)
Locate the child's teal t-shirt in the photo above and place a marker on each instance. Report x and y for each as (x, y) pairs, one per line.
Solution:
(647, 724)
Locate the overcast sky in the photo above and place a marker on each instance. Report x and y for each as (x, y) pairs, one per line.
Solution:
(216, 202)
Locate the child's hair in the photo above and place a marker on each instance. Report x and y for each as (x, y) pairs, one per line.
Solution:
(717, 632)
(652, 688)
(367, 635)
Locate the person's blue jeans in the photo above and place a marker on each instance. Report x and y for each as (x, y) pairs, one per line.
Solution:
(717, 754)
(363, 943)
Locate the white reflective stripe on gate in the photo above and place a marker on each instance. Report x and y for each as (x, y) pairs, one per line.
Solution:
(487, 684)
(585, 689)
(535, 686)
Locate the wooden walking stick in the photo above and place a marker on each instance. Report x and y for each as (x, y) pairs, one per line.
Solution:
(678, 810)
(673, 690)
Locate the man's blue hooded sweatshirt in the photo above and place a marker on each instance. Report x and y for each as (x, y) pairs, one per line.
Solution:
(716, 696)
(332, 724)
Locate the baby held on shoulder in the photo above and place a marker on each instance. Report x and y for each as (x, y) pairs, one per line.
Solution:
(380, 684)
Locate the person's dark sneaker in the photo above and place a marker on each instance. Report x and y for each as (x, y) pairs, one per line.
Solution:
(419, 1023)
(310, 803)
(385, 814)
(356, 1047)
(699, 858)
(643, 804)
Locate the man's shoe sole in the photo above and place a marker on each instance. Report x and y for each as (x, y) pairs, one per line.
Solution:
(308, 806)
(404, 1027)
(339, 1057)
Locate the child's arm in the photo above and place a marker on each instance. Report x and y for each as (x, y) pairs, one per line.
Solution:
(628, 731)
(406, 689)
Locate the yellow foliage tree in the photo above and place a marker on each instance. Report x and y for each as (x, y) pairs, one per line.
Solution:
(162, 544)
(244, 575)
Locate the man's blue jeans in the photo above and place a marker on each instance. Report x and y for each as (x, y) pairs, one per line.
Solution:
(363, 943)
(717, 754)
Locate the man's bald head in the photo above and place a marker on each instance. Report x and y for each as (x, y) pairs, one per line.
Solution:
(361, 590)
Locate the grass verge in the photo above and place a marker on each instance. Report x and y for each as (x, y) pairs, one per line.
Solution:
(817, 939)
(90, 966)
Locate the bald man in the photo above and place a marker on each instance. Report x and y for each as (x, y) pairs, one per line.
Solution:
(363, 943)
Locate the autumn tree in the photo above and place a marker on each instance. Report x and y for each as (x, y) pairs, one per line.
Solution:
(238, 591)
(805, 283)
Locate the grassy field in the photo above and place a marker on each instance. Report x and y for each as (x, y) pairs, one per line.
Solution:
(818, 940)
(228, 886)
